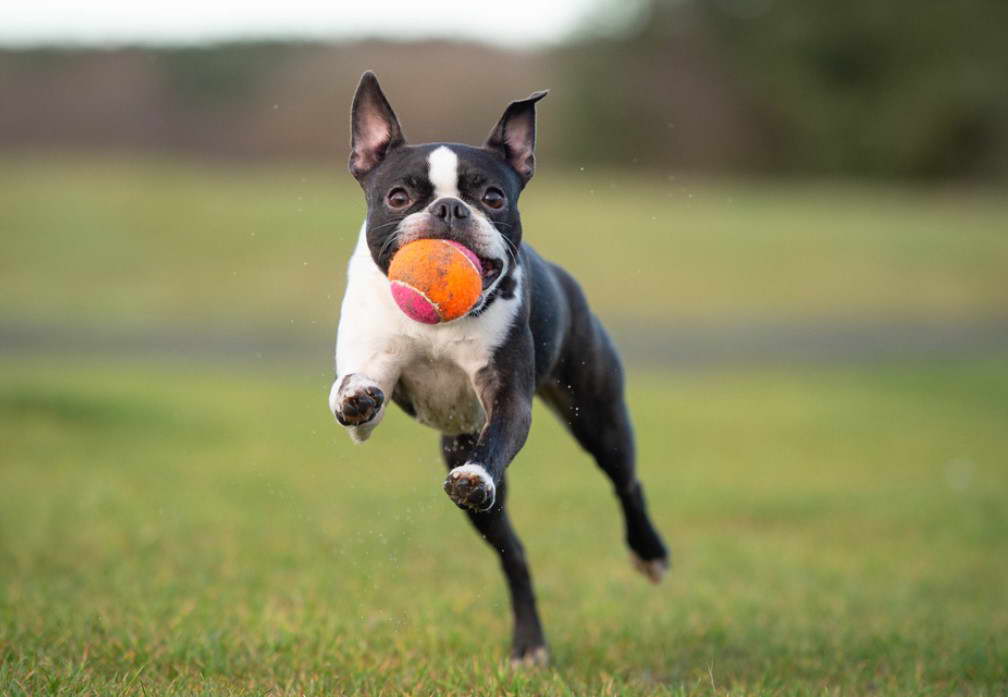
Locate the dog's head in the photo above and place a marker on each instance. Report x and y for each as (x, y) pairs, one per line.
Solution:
(442, 190)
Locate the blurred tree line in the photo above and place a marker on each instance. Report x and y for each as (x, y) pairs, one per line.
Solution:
(857, 88)
(896, 88)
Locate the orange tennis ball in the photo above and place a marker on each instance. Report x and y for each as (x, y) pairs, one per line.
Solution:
(435, 281)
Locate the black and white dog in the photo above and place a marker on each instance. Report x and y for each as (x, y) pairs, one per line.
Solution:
(473, 379)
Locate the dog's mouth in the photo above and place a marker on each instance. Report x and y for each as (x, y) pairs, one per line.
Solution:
(491, 270)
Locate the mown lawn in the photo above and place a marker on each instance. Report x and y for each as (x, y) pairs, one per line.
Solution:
(192, 528)
(195, 529)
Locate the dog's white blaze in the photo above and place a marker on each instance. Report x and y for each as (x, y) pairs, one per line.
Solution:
(442, 170)
(377, 340)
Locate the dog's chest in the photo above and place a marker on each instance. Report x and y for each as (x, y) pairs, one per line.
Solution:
(436, 366)
(441, 395)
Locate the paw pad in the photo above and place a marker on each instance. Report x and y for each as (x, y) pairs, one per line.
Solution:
(470, 488)
(359, 404)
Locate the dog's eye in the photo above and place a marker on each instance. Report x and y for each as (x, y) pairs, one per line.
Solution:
(494, 198)
(398, 198)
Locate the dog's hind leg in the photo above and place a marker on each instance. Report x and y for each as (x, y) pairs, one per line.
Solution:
(586, 392)
(529, 644)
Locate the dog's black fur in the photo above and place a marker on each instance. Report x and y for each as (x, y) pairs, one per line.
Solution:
(555, 348)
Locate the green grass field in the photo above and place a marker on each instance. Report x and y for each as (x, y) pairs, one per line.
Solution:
(202, 527)
(201, 531)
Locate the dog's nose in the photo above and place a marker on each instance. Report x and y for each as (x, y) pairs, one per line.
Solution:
(449, 210)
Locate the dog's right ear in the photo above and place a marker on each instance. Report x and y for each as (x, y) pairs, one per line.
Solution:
(374, 128)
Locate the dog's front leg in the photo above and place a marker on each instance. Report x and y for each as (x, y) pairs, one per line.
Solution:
(362, 389)
(506, 391)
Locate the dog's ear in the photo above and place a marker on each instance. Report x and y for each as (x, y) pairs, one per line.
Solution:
(374, 128)
(514, 135)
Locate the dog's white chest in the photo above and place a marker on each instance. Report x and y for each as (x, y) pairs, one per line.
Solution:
(442, 396)
(433, 369)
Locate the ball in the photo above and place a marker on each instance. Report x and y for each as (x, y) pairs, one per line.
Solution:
(435, 281)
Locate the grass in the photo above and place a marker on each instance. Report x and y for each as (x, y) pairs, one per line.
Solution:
(194, 530)
(153, 243)
(205, 529)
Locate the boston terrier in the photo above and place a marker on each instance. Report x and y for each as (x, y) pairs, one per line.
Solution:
(473, 379)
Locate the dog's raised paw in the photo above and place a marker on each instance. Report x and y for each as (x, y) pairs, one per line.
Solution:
(358, 401)
(470, 487)
(653, 569)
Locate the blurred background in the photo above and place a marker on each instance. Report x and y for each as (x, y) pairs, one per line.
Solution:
(786, 165)
(791, 214)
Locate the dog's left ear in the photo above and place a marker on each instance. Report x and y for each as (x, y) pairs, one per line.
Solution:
(514, 135)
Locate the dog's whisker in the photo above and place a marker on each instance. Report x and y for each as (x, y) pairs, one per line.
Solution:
(387, 245)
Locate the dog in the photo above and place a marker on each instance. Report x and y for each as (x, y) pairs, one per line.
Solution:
(473, 379)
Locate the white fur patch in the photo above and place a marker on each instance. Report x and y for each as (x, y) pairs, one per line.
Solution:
(334, 398)
(473, 468)
(442, 171)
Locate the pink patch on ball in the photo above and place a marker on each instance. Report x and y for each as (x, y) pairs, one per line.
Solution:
(468, 253)
(414, 303)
